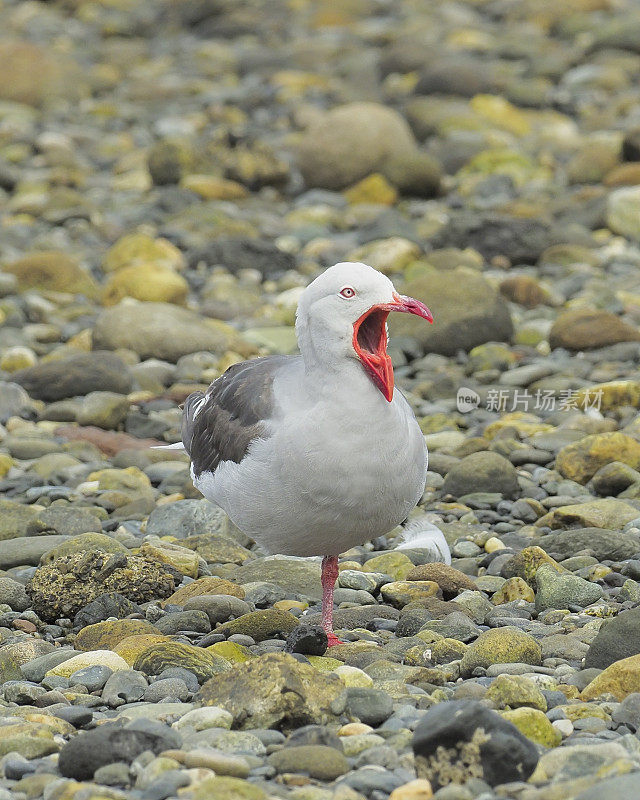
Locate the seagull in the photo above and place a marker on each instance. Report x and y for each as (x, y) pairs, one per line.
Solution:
(312, 454)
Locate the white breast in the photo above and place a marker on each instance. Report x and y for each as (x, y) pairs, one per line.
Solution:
(332, 475)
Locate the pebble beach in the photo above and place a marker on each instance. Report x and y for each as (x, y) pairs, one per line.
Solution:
(173, 173)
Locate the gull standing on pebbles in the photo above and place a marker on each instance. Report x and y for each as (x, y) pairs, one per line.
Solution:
(312, 454)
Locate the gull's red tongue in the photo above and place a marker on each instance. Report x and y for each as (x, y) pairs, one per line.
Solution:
(370, 339)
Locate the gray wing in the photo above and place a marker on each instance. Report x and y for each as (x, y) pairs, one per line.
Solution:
(220, 424)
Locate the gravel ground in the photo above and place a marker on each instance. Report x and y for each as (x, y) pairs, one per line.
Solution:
(172, 174)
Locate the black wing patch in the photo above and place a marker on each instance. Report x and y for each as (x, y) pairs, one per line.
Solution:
(220, 424)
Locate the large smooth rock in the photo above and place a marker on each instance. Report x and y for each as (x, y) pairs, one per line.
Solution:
(300, 575)
(462, 739)
(164, 331)
(506, 645)
(606, 544)
(619, 679)
(617, 638)
(623, 211)
(52, 271)
(76, 375)
(27, 550)
(586, 328)
(111, 742)
(485, 471)
(186, 518)
(463, 319)
(555, 590)
(349, 142)
(202, 662)
(38, 75)
(274, 691)
(604, 513)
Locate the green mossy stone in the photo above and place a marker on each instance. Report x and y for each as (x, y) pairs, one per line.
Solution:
(260, 625)
(106, 635)
(534, 725)
(203, 663)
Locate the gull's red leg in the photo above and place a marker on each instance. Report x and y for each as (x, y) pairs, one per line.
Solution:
(329, 575)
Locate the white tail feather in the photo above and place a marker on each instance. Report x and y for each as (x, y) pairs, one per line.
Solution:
(176, 446)
(424, 535)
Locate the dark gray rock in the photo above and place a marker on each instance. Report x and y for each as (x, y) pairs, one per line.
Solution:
(465, 739)
(185, 518)
(89, 751)
(628, 712)
(237, 253)
(110, 604)
(94, 677)
(617, 638)
(197, 621)
(218, 607)
(605, 544)
(520, 240)
(370, 706)
(76, 375)
(482, 472)
(124, 686)
(13, 594)
(307, 639)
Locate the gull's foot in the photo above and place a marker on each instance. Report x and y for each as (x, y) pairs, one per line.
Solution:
(333, 640)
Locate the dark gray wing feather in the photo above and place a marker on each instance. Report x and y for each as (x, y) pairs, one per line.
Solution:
(220, 424)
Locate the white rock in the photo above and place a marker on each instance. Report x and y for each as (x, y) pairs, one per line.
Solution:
(92, 658)
(202, 718)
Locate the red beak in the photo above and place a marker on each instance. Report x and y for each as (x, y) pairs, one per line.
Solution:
(370, 339)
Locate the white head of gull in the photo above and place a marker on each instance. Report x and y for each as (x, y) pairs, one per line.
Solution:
(316, 453)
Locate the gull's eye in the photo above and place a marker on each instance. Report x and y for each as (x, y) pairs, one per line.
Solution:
(348, 292)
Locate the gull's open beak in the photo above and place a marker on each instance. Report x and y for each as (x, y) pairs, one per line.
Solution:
(370, 339)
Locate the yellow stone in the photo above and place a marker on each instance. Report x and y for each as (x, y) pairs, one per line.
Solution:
(419, 789)
(210, 187)
(129, 478)
(501, 113)
(18, 357)
(324, 663)
(606, 396)
(493, 543)
(580, 460)
(527, 562)
(56, 724)
(606, 513)
(513, 589)
(354, 729)
(352, 676)
(575, 711)
(534, 725)
(51, 270)
(107, 634)
(525, 424)
(233, 652)
(399, 593)
(146, 282)
(207, 585)
(396, 564)
(137, 248)
(6, 462)
(288, 605)
(619, 679)
(185, 560)
(132, 646)
(374, 189)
